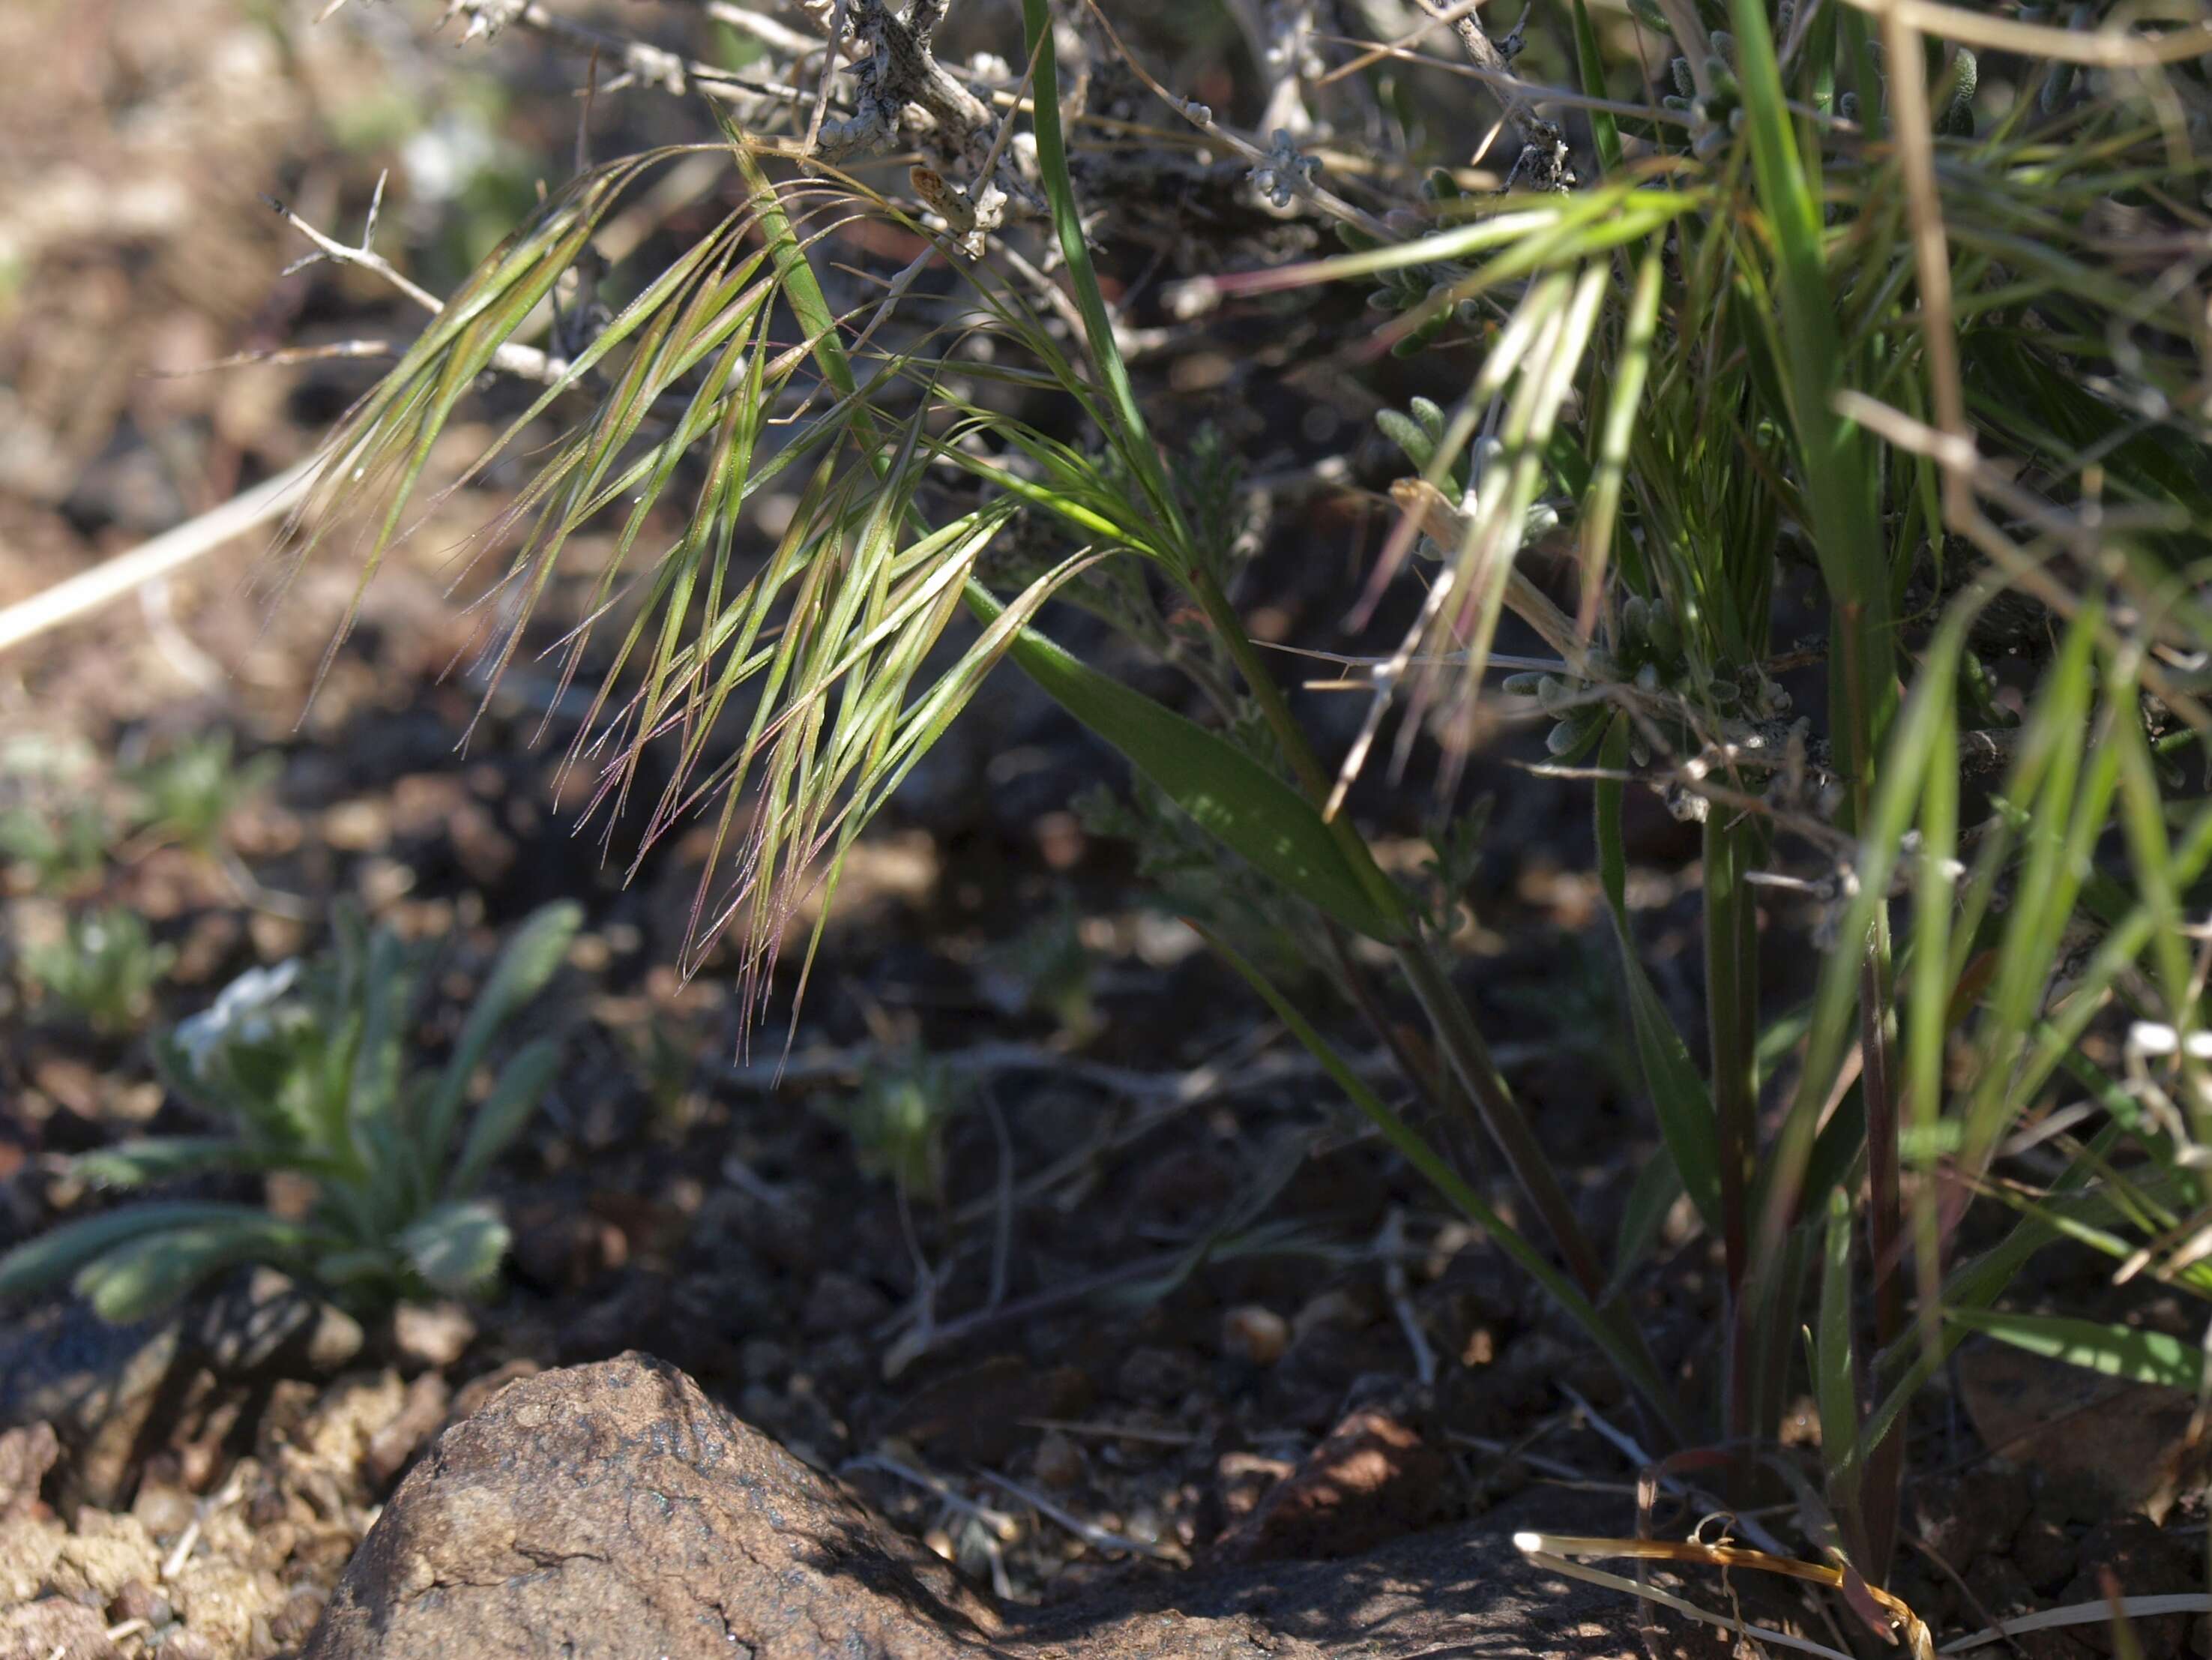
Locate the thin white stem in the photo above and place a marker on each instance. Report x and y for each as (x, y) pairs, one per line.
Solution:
(170, 551)
(1089, 1532)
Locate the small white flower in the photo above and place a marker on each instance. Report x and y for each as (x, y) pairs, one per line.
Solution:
(2151, 1039)
(243, 1013)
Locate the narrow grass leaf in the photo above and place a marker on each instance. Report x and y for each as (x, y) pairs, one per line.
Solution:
(1228, 795)
(532, 956)
(1833, 1375)
(166, 1157)
(2112, 1351)
(155, 1268)
(1678, 1093)
(39, 1264)
(515, 1096)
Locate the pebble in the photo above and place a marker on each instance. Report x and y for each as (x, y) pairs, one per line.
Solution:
(1058, 1461)
(1255, 1334)
(1373, 1478)
(27, 1453)
(163, 1509)
(428, 1337)
(137, 1600)
(1335, 1309)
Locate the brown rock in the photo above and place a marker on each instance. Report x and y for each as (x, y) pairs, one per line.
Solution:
(431, 1335)
(322, 1451)
(1998, 1588)
(1159, 1377)
(29, 1547)
(1338, 1308)
(1995, 1588)
(137, 1600)
(564, 1248)
(611, 1510)
(1241, 1479)
(2129, 1440)
(2146, 1562)
(105, 1389)
(473, 1395)
(26, 1455)
(297, 1617)
(94, 1384)
(229, 1603)
(1451, 1593)
(421, 1412)
(2045, 1552)
(106, 1552)
(54, 1628)
(163, 1509)
(1373, 1478)
(1962, 1516)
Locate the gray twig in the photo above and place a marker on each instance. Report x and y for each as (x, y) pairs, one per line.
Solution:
(1089, 1532)
(1542, 164)
(525, 360)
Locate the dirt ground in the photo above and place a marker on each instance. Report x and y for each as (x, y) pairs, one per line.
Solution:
(1166, 1266)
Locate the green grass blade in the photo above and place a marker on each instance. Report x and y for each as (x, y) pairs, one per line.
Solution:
(1658, 1184)
(1624, 395)
(379, 1122)
(515, 1096)
(2150, 852)
(43, 1262)
(1912, 751)
(2112, 1351)
(1590, 68)
(1234, 799)
(533, 955)
(1930, 992)
(1833, 1377)
(1841, 484)
(166, 1158)
(1678, 1093)
(155, 1268)
(1132, 439)
(1970, 1285)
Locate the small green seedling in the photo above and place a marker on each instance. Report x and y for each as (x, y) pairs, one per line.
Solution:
(1047, 969)
(308, 1069)
(897, 1120)
(102, 969)
(61, 852)
(188, 794)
